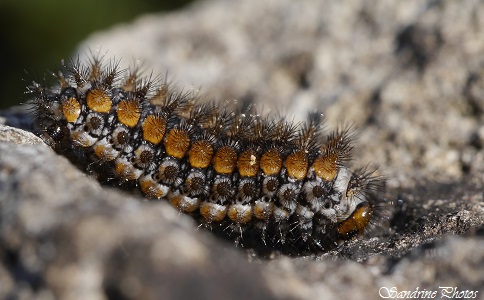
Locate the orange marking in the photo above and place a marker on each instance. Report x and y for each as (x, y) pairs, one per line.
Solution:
(184, 203)
(71, 109)
(129, 112)
(271, 162)
(98, 100)
(225, 160)
(154, 129)
(213, 212)
(263, 210)
(326, 167)
(200, 154)
(126, 171)
(177, 142)
(297, 165)
(248, 163)
(357, 222)
(104, 152)
(152, 189)
(240, 214)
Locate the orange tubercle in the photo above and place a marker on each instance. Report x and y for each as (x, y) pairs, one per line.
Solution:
(271, 162)
(357, 222)
(177, 142)
(200, 154)
(248, 163)
(98, 100)
(297, 165)
(129, 112)
(326, 167)
(71, 109)
(154, 128)
(225, 160)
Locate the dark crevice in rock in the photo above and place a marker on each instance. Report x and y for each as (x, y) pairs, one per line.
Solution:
(418, 46)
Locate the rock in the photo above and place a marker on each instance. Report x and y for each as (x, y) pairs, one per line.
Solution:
(394, 70)
(64, 236)
(409, 75)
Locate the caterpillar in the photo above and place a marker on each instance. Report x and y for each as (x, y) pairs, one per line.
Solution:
(260, 181)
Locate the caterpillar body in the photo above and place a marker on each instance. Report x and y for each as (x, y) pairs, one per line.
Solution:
(261, 181)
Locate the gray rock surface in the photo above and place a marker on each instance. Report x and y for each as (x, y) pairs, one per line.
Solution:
(409, 74)
(63, 236)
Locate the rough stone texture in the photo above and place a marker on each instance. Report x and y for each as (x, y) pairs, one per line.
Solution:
(409, 74)
(63, 236)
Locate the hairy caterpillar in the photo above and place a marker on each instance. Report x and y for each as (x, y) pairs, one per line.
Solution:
(261, 181)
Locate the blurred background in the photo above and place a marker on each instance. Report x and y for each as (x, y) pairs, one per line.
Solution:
(36, 35)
